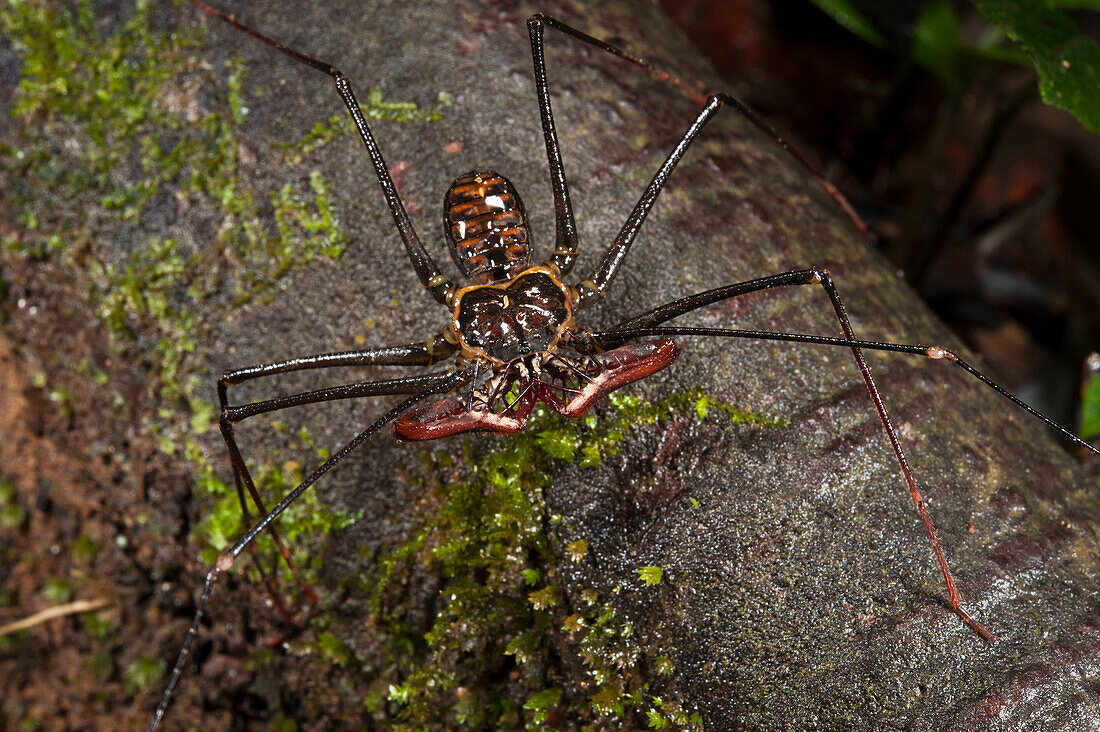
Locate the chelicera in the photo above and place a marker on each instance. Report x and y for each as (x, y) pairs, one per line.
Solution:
(513, 334)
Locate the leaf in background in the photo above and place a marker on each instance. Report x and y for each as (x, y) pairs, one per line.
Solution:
(936, 43)
(847, 14)
(936, 46)
(1090, 407)
(1067, 61)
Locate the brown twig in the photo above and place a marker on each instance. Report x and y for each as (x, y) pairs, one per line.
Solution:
(58, 611)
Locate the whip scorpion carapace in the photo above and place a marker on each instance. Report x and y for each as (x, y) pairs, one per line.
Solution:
(513, 333)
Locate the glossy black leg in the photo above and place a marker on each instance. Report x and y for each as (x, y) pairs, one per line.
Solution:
(439, 286)
(646, 325)
(404, 355)
(566, 230)
(566, 240)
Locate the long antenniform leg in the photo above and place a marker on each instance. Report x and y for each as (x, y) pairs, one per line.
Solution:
(439, 286)
(642, 326)
(566, 248)
(428, 385)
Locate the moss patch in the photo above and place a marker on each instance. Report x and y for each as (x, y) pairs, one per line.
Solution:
(509, 642)
(139, 136)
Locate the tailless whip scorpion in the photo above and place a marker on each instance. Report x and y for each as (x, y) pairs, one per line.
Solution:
(513, 330)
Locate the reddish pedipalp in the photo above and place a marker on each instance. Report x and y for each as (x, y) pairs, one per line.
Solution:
(609, 371)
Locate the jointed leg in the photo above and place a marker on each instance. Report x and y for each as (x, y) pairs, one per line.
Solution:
(405, 355)
(539, 20)
(933, 352)
(243, 477)
(565, 249)
(413, 354)
(439, 286)
(592, 289)
(561, 196)
(435, 384)
(642, 326)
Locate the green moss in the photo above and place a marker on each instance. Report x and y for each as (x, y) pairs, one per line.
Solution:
(577, 549)
(541, 704)
(58, 590)
(491, 658)
(302, 525)
(334, 649)
(141, 119)
(12, 514)
(650, 575)
(306, 230)
(85, 549)
(97, 627)
(143, 672)
(308, 519)
(100, 88)
(220, 525)
(375, 107)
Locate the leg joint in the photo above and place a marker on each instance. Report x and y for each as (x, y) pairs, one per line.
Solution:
(820, 275)
(228, 416)
(937, 352)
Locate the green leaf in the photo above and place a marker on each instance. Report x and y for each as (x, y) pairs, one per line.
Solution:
(936, 46)
(401, 693)
(607, 699)
(656, 721)
(663, 666)
(1068, 62)
(545, 598)
(848, 14)
(702, 407)
(1090, 407)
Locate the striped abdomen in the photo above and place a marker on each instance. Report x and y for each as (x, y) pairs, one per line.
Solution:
(487, 227)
